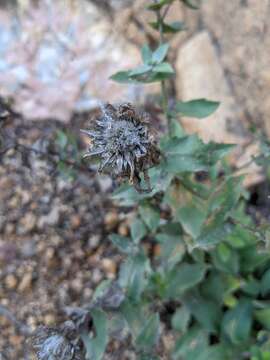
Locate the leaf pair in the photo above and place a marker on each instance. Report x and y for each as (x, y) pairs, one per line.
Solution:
(153, 69)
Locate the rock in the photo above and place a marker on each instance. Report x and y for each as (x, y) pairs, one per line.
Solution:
(69, 72)
(16, 340)
(51, 218)
(111, 220)
(243, 51)
(105, 183)
(123, 229)
(11, 282)
(28, 249)
(77, 285)
(28, 222)
(49, 254)
(93, 241)
(109, 266)
(49, 319)
(200, 75)
(26, 282)
(96, 276)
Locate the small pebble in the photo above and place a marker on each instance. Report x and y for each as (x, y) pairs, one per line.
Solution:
(26, 282)
(75, 222)
(11, 281)
(28, 222)
(49, 319)
(123, 229)
(111, 220)
(108, 266)
(96, 276)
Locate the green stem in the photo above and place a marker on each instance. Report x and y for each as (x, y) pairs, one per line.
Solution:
(164, 93)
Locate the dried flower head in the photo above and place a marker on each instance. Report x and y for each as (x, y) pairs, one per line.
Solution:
(123, 141)
(51, 343)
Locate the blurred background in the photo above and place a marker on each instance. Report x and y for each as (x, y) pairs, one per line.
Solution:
(56, 58)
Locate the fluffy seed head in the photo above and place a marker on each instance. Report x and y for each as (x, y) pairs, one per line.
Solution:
(122, 140)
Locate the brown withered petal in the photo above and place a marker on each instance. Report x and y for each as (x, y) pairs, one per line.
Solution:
(123, 141)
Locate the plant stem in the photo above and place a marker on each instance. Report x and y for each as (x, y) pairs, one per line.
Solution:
(164, 93)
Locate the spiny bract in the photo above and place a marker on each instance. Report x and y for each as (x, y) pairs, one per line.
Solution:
(52, 343)
(122, 140)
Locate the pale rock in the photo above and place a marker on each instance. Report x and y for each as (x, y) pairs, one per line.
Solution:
(242, 34)
(11, 281)
(51, 218)
(28, 222)
(72, 59)
(201, 75)
(109, 266)
(26, 282)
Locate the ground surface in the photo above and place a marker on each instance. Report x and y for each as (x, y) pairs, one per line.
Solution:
(53, 236)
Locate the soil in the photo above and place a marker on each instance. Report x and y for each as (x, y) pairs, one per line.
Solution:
(54, 246)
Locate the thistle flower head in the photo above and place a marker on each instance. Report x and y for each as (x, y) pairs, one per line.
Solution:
(51, 343)
(121, 138)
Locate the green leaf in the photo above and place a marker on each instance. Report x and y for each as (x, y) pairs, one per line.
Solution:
(183, 278)
(265, 283)
(61, 139)
(176, 164)
(146, 54)
(140, 70)
(225, 198)
(159, 4)
(149, 334)
(263, 317)
(123, 77)
(212, 234)
(96, 346)
(251, 286)
(192, 4)
(240, 238)
(186, 145)
(199, 108)
(215, 152)
(171, 28)
(218, 286)
(160, 53)
(226, 259)
(157, 77)
(164, 68)
(252, 258)
(133, 275)
(150, 216)
(134, 316)
(190, 345)
(191, 218)
(101, 288)
(126, 195)
(236, 323)
(172, 249)
(215, 352)
(175, 129)
(123, 243)
(206, 312)
(181, 319)
(138, 230)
